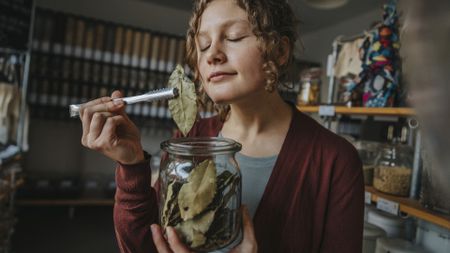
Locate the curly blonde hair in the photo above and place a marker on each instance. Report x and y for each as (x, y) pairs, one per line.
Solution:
(271, 21)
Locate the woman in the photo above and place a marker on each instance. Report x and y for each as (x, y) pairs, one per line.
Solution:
(308, 196)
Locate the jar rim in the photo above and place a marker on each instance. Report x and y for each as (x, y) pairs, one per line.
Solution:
(200, 146)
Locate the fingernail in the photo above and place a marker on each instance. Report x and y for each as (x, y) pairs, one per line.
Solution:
(153, 228)
(118, 102)
(170, 231)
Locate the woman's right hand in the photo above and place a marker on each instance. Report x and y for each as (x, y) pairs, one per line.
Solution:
(107, 129)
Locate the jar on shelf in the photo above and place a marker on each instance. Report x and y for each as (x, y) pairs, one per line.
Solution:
(368, 152)
(310, 83)
(200, 191)
(392, 173)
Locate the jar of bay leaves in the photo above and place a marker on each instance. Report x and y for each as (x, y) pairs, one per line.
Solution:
(393, 171)
(200, 191)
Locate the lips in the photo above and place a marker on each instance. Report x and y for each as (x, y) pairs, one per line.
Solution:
(219, 75)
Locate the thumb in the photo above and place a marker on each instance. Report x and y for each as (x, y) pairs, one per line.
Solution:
(119, 94)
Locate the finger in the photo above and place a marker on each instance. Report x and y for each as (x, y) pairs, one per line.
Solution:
(117, 94)
(97, 101)
(110, 106)
(109, 135)
(95, 129)
(159, 240)
(249, 233)
(248, 243)
(174, 241)
(88, 112)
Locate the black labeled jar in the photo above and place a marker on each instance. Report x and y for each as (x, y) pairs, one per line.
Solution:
(200, 191)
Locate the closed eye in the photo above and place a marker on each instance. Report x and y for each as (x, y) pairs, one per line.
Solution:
(203, 49)
(236, 39)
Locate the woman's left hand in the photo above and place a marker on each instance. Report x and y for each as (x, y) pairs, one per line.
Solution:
(173, 243)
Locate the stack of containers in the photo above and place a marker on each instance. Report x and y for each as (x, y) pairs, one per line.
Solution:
(393, 225)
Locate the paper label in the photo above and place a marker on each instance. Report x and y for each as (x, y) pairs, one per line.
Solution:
(388, 206)
(326, 110)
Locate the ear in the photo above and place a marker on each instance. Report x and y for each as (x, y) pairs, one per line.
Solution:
(284, 51)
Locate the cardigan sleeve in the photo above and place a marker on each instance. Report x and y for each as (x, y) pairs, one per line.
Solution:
(135, 208)
(345, 213)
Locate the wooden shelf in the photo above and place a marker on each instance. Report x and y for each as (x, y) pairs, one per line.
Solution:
(370, 111)
(66, 202)
(412, 207)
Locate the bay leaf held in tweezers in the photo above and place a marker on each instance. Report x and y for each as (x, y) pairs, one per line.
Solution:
(183, 108)
(199, 191)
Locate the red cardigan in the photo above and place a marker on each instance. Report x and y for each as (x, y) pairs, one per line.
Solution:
(313, 202)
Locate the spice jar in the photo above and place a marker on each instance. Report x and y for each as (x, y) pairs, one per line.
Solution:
(310, 87)
(393, 171)
(200, 191)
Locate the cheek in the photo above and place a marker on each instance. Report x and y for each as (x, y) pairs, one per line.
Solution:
(201, 69)
(252, 62)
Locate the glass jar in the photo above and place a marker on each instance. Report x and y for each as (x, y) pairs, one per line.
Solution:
(310, 87)
(393, 171)
(368, 152)
(200, 191)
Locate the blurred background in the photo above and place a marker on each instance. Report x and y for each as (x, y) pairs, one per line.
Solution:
(373, 71)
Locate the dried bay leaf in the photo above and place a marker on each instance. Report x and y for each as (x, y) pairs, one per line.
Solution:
(199, 191)
(170, 203)
(183, 108)
(194, 229)
(218, 232)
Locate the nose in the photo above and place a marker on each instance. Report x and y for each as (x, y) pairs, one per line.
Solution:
(216, 54)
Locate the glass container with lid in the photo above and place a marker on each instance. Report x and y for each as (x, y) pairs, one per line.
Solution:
(394, 168)
(368, 152)
(200, 191)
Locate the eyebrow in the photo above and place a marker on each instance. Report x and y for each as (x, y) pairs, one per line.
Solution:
(226, 24)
